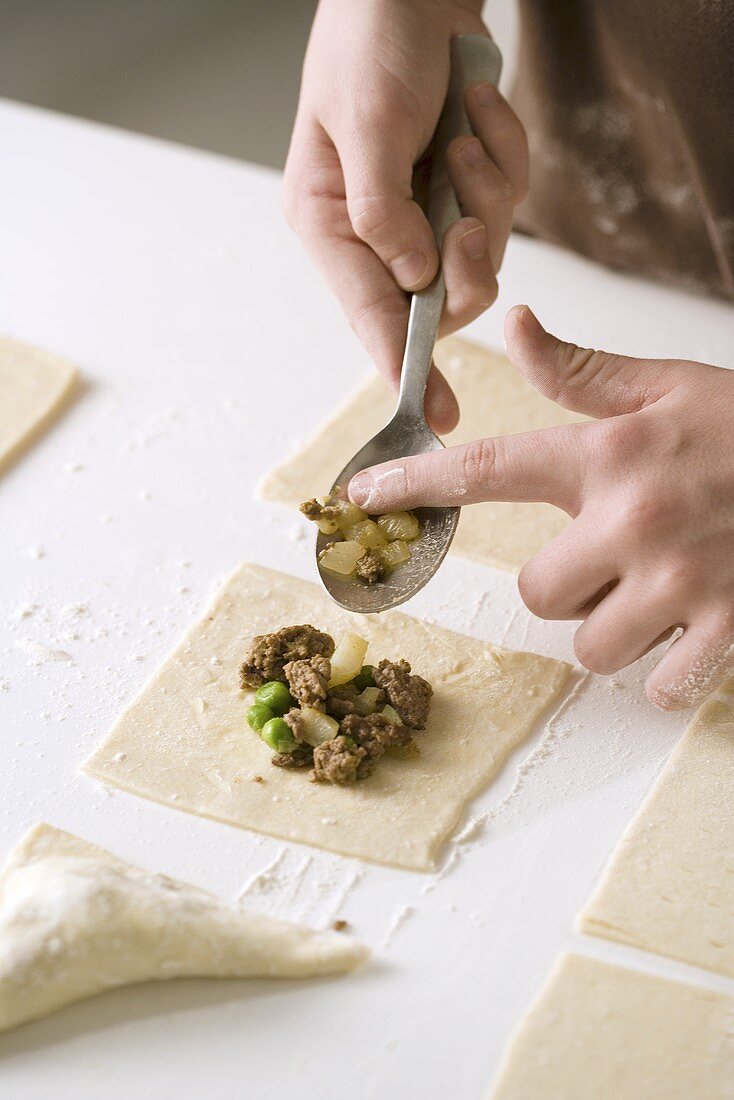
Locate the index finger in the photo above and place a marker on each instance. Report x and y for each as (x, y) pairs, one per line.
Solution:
(544, 465)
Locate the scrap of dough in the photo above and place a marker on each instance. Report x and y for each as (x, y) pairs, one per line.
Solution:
(494, 400)
(75, 921)
(669, 886)
(601, 1031)
(185, 741)
(34, 384)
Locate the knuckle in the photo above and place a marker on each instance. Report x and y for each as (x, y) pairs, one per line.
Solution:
(300, 201)
(664, 696)
(535, 594)
(479, 462)
(375, 312)
(473, 300)
(679, 578)
(643, 511)
(409, 480)
(642, 514)
(617, 439)
(372, 216)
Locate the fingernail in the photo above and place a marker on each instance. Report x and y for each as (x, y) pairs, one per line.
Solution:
(360, 489)
(474, 242)
(409, 269)
(473, 154)
(486, 94)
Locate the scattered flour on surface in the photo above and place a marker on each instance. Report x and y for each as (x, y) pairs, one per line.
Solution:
(40, 653)
(398, 919)
(266, 881)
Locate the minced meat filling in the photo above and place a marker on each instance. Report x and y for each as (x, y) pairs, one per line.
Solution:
(308, 681)
(337, 761)
(341, 701)
(301, 757)
(409, 694)
(370, 567)
(353, 725)
(269, 653)
(375, 732)
(295, 720)
(313, 509)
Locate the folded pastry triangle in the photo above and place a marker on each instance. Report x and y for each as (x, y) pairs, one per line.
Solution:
(75, 921)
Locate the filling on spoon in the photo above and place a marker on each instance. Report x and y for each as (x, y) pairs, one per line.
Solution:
(318, 705)
(364, 547)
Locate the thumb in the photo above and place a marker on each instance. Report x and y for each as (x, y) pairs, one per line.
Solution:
(543, 465)
(597, 383)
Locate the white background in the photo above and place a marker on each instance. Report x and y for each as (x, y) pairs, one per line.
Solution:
(208, 347)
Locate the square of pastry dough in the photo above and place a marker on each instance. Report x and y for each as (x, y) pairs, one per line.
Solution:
(494, 400)
(669, 885)
(34, 385)
(601, 1032)
(185, 741)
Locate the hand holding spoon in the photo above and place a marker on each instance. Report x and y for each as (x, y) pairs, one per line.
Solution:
(474, 57)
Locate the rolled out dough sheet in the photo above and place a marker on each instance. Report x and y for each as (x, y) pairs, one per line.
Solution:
(669, 886)
(494, 400)
(34, 384)
(185, 741)
(601, 1032)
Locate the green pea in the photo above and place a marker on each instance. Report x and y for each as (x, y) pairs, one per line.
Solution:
(277, 734)
(257, 715)
(364, 678)
(276, 696)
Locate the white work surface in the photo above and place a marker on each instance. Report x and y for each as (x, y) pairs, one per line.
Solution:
(208, 346)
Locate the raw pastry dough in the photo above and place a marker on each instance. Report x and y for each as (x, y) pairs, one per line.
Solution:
(75, 921)
(33, 386)
(600, 1032)
(669, 886)
(494, 400)
(185, 741)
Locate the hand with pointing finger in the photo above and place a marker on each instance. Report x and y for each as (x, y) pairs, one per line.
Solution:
(650, 487)
(374, 81)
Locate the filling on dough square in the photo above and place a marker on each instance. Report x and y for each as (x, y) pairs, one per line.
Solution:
(494, 400)
(185, 741)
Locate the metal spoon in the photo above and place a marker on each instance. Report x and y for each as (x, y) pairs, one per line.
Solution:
(474, 57)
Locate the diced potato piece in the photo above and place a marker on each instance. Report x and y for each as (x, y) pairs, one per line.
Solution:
(399, 525)
(348, 658)
(342, 557)
(394, 553)
(326, 526)
(392, 715)
(366, 533)
(317, 727)
(347, 514)
(366, 701)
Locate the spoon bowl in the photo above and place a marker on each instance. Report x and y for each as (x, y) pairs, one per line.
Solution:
(402, 436)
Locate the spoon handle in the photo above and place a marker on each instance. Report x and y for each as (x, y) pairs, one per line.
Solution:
(474, 57)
